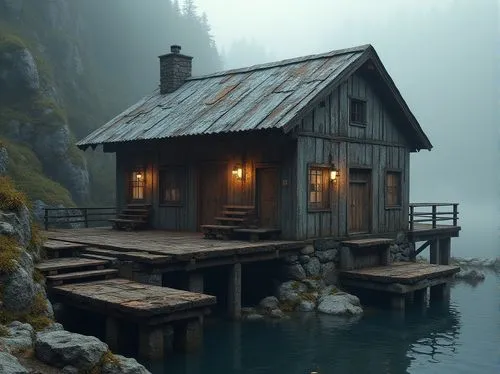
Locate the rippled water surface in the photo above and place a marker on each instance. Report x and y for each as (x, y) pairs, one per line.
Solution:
(462, 337)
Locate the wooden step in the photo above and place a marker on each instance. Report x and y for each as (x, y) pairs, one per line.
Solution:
(230, 219)
(56, 265)
(129, 255)
(122, 220)
(54, 245)
(99, 257)
(137, 211)
(234, 213)
(239, 207)
(134, 217)
(81, 275)
(219, 227)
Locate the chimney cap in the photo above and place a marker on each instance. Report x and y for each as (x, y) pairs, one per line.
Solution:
(175, 48)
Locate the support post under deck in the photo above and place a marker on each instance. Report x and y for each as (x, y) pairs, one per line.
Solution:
(112, 333)
(234, 291)
(189, 335)
(195, 282)
(398, 302)
(434, 252)
(151, 342)
(444, 251)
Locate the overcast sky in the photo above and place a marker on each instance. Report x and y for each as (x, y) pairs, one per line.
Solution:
(442, 54)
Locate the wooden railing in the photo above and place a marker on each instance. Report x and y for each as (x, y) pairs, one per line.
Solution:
(427, 213)
(86, 217)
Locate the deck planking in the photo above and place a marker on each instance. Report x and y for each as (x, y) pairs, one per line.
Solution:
(401, 272)
(367, 242)
(179, 246)
(68, 263)
(58, 245)
(133, 299)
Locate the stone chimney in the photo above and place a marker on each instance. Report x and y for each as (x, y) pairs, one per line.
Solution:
(175, 68)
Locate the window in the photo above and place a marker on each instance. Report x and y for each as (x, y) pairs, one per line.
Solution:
(137, 185)
(319, 187)
(393, 189)
(172, 182)
(358, 111)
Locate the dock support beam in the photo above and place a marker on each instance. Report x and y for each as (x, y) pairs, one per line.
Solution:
(112, 333)
(434, 252)
(440, 293)
(195, 282)
(234, 291)
(444, 251)
(151, 342)
(398, 302)
(189, 335)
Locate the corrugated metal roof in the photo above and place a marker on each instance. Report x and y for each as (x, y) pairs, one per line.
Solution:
(258, 97)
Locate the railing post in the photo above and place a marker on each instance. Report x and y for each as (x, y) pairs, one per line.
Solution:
(434, 215)
(85, 217)
(46, 219)
(455, 214)
(412, 211)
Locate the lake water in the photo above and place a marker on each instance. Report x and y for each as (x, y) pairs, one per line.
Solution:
(460, 337)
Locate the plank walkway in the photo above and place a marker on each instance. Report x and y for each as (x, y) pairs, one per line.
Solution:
(53, 265)
(401, 272)
(134, 300)
(175, 246)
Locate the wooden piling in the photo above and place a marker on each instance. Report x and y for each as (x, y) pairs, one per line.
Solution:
(234, 291)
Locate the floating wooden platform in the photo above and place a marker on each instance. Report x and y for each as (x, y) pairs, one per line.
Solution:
(134, 301)
(399, 277)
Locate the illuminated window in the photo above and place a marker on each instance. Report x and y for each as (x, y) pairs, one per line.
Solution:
(319, 187)
(137, 185)
(172, 182)
(393, 189)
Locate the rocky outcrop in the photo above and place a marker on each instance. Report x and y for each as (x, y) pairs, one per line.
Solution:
(4, 160)
(470, 275)
(340, 304)
(9, 364)
(123, 365)
(474, 262)
(18, 73)
(62, 348)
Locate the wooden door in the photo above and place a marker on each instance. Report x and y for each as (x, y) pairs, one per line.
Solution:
(268, 206)
(359, 201)
(212, 193)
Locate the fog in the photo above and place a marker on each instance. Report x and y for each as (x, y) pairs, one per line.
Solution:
(443, 56)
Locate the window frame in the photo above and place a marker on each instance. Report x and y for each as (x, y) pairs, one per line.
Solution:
(134, 184)
(400, 188)
(182, 178)
(364, 122)
(326, 206)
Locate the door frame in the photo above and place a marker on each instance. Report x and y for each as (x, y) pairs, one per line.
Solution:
(364, 168)
(267, 165)
(199, 166)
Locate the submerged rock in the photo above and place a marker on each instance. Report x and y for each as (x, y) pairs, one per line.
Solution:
(10, 364)
(62, 348)
(340, 304)
(253, 317)
(123, 365)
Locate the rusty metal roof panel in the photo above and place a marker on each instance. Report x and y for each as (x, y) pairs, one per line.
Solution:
(259, 97)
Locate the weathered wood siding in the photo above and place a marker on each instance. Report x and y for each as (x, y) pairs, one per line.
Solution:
(251, 150)
(378, 146)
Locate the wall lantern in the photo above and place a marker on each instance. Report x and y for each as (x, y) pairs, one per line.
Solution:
(238, 171)
(138, 176)
(334, 174)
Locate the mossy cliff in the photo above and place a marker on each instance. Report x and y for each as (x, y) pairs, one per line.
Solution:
(30, 339)
(66, 67)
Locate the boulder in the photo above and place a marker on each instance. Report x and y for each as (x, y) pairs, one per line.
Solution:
(269, 303)
(276, 313)
(20, 222)
(290, 291)
(313, 284)
(306, 306)
(10, 364)
(470, 275)
(18, 290)
(62, 348)
(307, 250)
(295, 272)
(327, 256)
(20, 338)
(328, 290)
(123, 365)
(328, 273)
(340, 304)
(7, 229)
(70, 370)
(313, 267)
(304, 259)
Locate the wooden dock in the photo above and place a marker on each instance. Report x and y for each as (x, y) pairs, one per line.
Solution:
(152, 308)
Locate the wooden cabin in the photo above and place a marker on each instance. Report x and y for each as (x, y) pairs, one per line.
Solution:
(315, 146)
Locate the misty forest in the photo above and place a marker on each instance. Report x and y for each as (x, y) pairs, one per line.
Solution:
(295, 291)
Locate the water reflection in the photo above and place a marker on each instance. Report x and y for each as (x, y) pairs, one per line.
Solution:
(380, 342)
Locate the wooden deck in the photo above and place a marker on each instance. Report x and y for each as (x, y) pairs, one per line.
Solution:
(133, 301)
(399, 277)
(423, 231)
(166, 248)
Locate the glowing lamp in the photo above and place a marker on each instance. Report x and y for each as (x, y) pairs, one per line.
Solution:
(334, 173)
(138, 176)
(238, 171)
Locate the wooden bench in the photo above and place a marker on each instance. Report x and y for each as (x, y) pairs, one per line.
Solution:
(259, 233)
(364, 253)
(133, 217)
(232, 217)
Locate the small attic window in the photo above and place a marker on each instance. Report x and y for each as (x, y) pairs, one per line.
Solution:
(357, 112)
